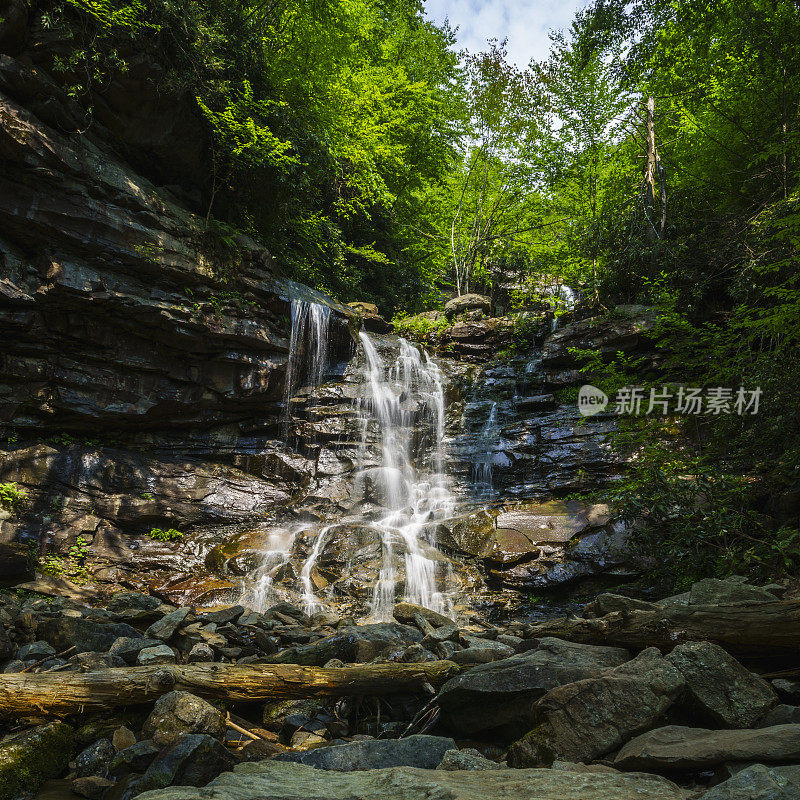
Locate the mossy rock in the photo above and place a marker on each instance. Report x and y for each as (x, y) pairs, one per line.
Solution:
(534, 749)
(30, 758)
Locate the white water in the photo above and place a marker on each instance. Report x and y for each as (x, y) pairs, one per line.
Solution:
(483, 468)
(399, 401)
(308, 344)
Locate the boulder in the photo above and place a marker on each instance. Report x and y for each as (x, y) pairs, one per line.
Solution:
(726, 592)
(788, 691)
(165, 627)
(675, 747)
(193, 760)
(30, 758)
(757, 782)
(468, 534)
(555, 522)
(407, 612)
(86, 635)
(608, 603)
(136, 758)
(467, 302)
(128, 649)
(178, 713)
(92, 786)
(371, 318)
(584, 720)
(500, 694)
(36, 651)
(719, 687)
(425, 752)
(281, 781)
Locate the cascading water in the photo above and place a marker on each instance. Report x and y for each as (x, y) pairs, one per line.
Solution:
(407, 398)
(308, 346)
(483, 467)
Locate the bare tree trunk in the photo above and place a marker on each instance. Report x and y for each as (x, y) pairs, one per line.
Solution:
(25, 694)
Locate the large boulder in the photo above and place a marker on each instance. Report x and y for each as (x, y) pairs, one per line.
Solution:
(584, 720)
(30, 758)
(178, 713)
(371, 317)
(719, 687)
(675, 748)
(421, 751)
(85, 635)
(282, 781)
(467, 302)
(500, 694)
(725, 592)
(555, 522)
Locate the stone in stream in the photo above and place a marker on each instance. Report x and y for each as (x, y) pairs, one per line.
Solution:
(500, 694)
(425, 752)
(719, 687)
(30, 758)
(758, 782)
(178, 713)
(284, 781)
(585, 720)
(675, 747)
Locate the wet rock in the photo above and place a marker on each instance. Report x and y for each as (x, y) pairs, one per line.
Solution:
(718, 686)
(554, 522)
(757, 782)
(587, 719)
(407, 613)
(178, 713)
(273, 779)
(92, 786)
(371, 318)
(94, 760)
(468, 534)
(678, 748)
(467, 759)
(500, 695)
(421, 751)
(467, 302)
(193, 760)
(30, 758)
(150, 656)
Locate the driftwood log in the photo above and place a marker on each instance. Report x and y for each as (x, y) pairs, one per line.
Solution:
(760, 631)
(24, 694)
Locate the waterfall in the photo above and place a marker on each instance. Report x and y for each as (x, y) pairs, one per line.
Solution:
(483, 467)
(399, 401)
(308, 343)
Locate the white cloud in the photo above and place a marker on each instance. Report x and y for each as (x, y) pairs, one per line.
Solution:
(524, 24)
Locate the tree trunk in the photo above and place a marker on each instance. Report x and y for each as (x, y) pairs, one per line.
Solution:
(755, 632)
(24, 694)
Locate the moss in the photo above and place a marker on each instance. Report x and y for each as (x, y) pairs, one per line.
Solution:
(30, 758)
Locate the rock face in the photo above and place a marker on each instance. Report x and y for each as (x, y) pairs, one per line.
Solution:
(584, 720)
(501, 694)
(676, 748)
(720, 687)
(284, 781)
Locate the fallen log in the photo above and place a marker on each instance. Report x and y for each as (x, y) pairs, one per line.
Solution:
(758, 631)
(25, 694)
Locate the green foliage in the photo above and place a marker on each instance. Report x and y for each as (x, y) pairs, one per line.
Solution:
(169, 535)
(419, 327)
(12, 496)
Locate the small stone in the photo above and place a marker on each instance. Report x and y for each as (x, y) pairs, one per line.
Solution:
(123, 738)
(92, 786)
(305, 739)
(150, 656)
(334, 663)
(201, 653)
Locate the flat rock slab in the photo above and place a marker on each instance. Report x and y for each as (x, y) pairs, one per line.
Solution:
(554, 522)
(273, 780)
(675, 747)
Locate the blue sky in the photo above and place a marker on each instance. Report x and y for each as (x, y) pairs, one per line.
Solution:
(524, 23)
